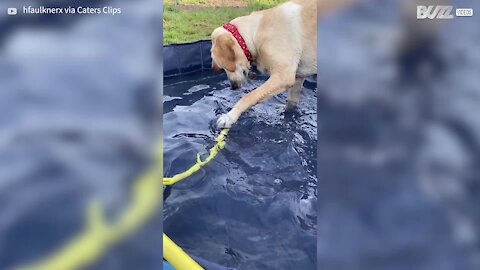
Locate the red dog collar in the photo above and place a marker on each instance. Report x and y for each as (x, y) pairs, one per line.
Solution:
(234, 30)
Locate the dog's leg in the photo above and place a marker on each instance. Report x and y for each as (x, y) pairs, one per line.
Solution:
(293, 94)
(274, 85)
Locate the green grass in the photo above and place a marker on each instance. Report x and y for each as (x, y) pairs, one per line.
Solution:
(184, 25)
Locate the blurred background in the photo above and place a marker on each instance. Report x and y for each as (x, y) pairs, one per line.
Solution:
(399, 137)
(79, 115)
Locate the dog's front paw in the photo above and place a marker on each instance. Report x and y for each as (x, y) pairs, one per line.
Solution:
(290, 106)
(225, 121)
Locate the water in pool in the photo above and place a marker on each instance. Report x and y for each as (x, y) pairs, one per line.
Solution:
(254, 206)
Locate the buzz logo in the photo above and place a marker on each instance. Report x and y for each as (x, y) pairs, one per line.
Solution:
(434, 12)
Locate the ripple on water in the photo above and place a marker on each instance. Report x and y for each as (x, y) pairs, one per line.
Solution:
(255, 202)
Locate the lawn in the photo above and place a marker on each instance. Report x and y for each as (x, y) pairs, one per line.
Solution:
(192, 20)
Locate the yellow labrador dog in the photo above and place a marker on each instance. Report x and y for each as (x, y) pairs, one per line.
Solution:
(281, 41)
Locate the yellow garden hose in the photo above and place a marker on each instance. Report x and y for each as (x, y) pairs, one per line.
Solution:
(199, 164)
(177, 257)
(171, 252)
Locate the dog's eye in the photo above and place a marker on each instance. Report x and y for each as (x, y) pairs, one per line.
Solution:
(245, 73)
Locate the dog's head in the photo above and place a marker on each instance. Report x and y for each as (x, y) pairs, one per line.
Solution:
(228, 55)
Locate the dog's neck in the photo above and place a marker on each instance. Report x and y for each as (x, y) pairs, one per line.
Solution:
(248, 28)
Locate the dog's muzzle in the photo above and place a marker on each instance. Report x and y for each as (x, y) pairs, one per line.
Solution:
(234, 85)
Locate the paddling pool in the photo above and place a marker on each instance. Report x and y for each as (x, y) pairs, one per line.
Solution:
(254, 205)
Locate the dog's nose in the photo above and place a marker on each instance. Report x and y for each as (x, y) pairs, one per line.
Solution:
(234, 85)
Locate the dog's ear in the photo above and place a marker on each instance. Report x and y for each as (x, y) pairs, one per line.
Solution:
(224, 50)
(216, 68)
